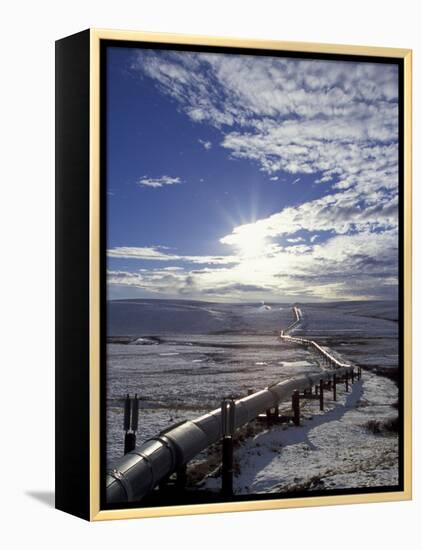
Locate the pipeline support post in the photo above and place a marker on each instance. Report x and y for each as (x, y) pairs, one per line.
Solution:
(346, 380)
(130, 422)
(130, 437)
(135, 413)
(334, 387)
(126, 417)
(227, 425)
(296, 407)
(321, 395)
(130, 442)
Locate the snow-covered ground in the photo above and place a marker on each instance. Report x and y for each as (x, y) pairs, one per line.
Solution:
(333, 449)
(184, 377)
(181, 358)
(363, 332)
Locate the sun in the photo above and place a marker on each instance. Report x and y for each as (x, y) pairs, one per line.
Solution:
(250, 242)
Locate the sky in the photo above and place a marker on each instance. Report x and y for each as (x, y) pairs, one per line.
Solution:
(242, 178)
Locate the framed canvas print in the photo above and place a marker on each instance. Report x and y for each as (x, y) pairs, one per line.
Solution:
(233, 274)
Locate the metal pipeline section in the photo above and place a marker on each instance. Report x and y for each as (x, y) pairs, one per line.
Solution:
(138, 472)
(334, 362)
(298, 319)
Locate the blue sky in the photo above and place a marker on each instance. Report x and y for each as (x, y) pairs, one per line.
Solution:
(244, 178)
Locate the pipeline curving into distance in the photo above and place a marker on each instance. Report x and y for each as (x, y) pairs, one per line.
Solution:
(140, 471)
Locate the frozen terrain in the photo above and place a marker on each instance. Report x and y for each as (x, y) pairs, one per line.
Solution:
(182, 357)
(366, 333)
(333, 449)
(180, 375)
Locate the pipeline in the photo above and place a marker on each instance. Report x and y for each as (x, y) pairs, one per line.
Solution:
(332, 361)
(298, 318)
(138, 472)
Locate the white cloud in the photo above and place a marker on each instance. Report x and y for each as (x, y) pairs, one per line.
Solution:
(141, 253)
(295, 240)
(360, 266)
(161, 254)
(146, 181)
(338, 213)
(335, 121)
(352, 254)
(206, 144)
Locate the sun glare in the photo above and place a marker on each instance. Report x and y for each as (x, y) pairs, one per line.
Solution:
(251, 243)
